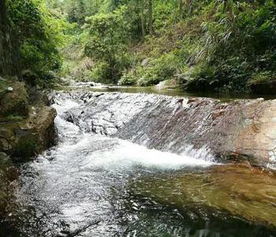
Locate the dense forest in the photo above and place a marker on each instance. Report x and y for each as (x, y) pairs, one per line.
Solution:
(138, 118)
(210, 45)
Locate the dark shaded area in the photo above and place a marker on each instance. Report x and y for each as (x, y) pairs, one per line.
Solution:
(9, 59)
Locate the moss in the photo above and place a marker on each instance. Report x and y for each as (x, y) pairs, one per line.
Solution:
(3, 85)
(26, 147)
(13, 117)
(16, 101)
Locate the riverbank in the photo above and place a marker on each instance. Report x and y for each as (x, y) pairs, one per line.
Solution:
(26, 129)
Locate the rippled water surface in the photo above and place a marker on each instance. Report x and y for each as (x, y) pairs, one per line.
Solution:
(90, 185)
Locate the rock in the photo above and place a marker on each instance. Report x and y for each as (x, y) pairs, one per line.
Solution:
(242, 191)
(7, 139)
(168, 84)
(14, 102)
(30, 136)
(5, 160)
(30, 77)
(26, 123)
(145, 62)
(237, 130)
(38, 98)
(36, 134)
(10, 89)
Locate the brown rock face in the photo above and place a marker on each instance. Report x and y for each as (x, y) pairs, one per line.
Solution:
(28, 137)
(14, 102)
(240, 129)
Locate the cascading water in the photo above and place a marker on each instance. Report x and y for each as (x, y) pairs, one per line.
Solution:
(83, 186)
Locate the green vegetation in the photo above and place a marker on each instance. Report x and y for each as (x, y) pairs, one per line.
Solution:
(34, 36)
(210, 45)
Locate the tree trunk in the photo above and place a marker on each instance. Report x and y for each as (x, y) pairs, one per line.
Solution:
(9, 59)
(150, 17)
(142, 19)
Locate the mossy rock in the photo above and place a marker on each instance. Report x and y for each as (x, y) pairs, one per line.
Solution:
(26, 147)
(5, 160)
(14, 102)
(26, 138)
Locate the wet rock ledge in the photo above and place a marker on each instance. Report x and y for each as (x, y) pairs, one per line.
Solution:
(234, 130)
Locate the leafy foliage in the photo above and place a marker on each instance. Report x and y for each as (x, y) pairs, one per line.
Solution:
(108, 35)
(39, 34)
(211, 44)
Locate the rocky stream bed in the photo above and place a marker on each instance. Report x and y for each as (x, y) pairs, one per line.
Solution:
(150, 165)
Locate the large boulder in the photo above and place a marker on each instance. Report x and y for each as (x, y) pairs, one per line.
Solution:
(13, 99)
(234, 130)
(26, 138)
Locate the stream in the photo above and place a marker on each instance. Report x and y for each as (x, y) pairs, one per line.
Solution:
(96, 184)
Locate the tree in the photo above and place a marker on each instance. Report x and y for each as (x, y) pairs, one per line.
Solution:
(150, 16)
(9, 61)
(142, 17)
(108, 34)
(38, 35)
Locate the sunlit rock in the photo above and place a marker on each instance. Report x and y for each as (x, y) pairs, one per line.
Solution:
(235, 130)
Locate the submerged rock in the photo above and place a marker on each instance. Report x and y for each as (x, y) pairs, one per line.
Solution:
(236, 130)
(244, 192)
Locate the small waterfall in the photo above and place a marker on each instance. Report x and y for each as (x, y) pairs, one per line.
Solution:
(73, 127)
(112, 148)
(69, 186)
(144, 119)
(216, 129)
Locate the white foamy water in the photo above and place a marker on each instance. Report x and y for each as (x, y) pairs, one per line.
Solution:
(88, 184)
(124, 154)
(74, 180)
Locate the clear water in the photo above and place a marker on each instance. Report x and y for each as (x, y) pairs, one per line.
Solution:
(225, 96)
(84, 187)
